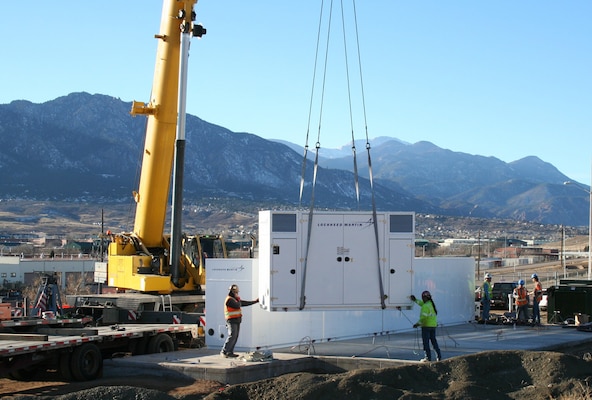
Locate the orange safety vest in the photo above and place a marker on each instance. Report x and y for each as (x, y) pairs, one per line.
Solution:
(521, 299)
(538, 292)
(229, 312)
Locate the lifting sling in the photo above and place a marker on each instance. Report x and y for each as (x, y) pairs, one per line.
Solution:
(317, 148)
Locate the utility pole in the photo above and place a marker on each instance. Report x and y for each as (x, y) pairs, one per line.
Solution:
(479, 253)
(563, 251)
(589, 191)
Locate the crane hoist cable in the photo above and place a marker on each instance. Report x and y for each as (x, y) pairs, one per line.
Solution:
(370, 174)
(317, 148)
(351, 118)
(305, 156)
(318, 145)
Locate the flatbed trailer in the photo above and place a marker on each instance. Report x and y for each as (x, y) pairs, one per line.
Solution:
(78, 351)
(29, 324)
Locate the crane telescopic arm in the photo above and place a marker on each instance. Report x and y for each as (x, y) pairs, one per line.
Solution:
(140, 260)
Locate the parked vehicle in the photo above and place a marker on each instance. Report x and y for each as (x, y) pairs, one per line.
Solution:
(75, 346)
(500, 292)
(478, 290)
(30, 345)
(543, 303)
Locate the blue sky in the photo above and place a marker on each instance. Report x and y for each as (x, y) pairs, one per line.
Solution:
(507, 79)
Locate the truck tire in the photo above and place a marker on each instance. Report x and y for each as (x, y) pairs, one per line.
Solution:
(139, 347)
(87, 362)
(65, 366)
(24, 374)
(161, 343)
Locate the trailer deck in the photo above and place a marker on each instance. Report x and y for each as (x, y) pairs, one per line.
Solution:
(78, 351)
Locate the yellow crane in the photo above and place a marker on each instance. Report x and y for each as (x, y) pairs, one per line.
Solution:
(147, 259)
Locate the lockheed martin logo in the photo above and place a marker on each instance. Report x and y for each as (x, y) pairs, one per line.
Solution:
(230, 269)
(355, 224)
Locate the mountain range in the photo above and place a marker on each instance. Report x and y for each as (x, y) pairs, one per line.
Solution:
(83, 147)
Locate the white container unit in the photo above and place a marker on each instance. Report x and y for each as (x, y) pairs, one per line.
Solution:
(449, 279)
(341, 291)
(337, 260)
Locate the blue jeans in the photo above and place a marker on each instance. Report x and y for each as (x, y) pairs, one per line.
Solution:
(486, 307)
(233, 331)
(536, 312)
(522, 313)
(428, 334)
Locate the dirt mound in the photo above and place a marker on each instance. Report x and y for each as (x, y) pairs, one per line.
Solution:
(525, 375)
(492, 375)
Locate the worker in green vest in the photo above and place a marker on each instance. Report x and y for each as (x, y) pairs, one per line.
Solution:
(428, 320)
(486, 295)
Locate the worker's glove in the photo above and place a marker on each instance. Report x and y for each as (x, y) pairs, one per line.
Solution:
(412, 298)
(415, 325)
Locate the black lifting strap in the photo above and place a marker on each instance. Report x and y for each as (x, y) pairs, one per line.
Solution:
(380, 284)
(308, 233)
(374, 218)
(303, 172)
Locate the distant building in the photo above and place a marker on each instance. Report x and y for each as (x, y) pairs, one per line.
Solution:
(79, 247)
(27, 271)
(458, 242)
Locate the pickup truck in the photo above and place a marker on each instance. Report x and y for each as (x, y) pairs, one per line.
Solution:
(500, 292)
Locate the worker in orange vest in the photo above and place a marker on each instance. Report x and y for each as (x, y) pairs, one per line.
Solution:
(521, 301)
(233, 316)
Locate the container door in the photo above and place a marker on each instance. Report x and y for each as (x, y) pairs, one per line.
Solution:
(324, 270)
(360, 261)
(284, 275)
(399, 270)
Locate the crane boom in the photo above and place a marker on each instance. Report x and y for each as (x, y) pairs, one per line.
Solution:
(152, 196)
(141, 260)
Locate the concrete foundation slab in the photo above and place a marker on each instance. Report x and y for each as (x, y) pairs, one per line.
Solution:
(339, 356)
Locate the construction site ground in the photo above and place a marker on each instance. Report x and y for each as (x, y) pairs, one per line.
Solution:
(480, 361)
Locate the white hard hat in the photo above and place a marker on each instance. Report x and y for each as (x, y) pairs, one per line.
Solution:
(488, 276)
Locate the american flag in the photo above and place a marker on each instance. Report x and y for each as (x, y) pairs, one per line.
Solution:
(42, 303)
